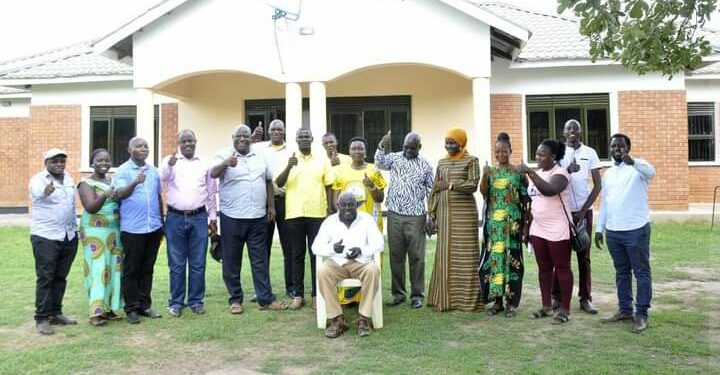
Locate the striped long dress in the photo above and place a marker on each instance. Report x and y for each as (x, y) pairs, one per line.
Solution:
(455, 283)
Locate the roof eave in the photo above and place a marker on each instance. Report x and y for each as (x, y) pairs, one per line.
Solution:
(490, 19)
(149, 16)
(560, 62)
(56, 80)
(15, 96)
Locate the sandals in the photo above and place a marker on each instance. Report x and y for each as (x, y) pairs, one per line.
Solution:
(542, 313)
(275, 306)
(498, 307)
(560, 318)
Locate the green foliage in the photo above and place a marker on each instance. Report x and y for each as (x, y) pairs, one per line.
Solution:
(645, 35)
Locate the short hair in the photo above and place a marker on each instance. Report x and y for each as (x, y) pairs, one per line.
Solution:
(181, 132)
(358, 139)
(574, 122)
(330, 134)
(276, 121)
(556, 147)
(135, 139)
(621, 135)
(503, 137)
(96, 152)
(240, 126)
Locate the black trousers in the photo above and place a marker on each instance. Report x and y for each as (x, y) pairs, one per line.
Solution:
(284, 241)
(53, 260)
(235, 234)
(302, 232)
(141, 251)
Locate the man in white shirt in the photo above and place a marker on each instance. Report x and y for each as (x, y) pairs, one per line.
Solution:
(625, 220)
(582, 163)
(53, 234)
(349, 239)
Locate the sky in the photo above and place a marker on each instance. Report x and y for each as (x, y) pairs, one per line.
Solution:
(24, 30)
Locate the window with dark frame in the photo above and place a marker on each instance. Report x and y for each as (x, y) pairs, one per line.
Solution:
(701, 131)
(112, 127)
(547, 114)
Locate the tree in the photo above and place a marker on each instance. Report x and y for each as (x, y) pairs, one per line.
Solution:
(645, 35)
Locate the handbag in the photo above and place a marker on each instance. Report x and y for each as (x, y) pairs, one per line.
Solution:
(579, 238)
(215, 247)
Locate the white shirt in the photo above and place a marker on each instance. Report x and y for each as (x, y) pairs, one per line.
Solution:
(277, 158)
(243, 189)
(363, 233)
(587, 159)
(53, 216)
(624, 197)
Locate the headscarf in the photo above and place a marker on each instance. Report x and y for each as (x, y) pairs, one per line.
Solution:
(460, 137)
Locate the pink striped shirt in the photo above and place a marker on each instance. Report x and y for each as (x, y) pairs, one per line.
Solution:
(189, 185)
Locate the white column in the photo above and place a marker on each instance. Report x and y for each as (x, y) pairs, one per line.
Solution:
(318, 110)
(481, 142)
(145, 122)
(293, 112)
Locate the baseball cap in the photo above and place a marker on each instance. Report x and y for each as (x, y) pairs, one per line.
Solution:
(53, 152)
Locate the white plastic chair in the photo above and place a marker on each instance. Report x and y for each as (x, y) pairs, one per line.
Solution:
(377, 313)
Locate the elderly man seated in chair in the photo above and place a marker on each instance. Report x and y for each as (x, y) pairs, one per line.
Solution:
(349, 239)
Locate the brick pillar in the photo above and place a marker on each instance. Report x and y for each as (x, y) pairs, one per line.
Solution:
(656, 122)
(506, 116)
(14, 174)
(169, 129)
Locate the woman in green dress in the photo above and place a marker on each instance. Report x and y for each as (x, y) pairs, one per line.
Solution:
(100, 235)
(505, 230)
(455, 284)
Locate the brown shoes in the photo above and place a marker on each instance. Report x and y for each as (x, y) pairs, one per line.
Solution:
(297, 303)
(236, 308)
(587, 306)
(617, 317)
(363, 326)
(337, 326)
(274, 306)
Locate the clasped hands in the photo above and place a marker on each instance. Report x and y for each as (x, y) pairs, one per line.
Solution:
(353, 253)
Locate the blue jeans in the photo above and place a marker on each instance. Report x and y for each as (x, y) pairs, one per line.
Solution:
(630, 251)
(235, 233)
(187, 239)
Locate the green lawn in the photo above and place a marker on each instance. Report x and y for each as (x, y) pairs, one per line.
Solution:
(684, 334)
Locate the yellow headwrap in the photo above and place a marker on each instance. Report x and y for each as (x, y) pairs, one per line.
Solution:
(460, 137)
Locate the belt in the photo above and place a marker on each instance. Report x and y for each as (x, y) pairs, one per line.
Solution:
(186, 212)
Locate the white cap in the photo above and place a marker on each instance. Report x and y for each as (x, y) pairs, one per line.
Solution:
(53, 152)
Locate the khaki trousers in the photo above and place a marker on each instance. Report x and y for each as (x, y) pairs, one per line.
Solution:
(331, 273)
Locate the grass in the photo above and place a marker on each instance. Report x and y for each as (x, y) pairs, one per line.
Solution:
(684, 337)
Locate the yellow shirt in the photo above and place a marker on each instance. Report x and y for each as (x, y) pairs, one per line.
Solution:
(305, 187)
(349, 179)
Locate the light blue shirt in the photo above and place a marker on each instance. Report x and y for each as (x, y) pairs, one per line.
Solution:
(140, 212)
(53, 216)
(624, 197)
(243, 189)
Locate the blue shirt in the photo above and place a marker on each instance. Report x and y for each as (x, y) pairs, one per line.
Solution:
(624, 197)
(140, 212)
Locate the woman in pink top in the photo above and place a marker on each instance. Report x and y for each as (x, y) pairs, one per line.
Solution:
(549, 230)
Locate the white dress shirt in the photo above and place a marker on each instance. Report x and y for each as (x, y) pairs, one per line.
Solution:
(52, 216)
(587, 159)
(624, 197)
(362, 233)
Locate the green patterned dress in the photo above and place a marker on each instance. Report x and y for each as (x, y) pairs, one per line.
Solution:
(501, 270)
(103, 254)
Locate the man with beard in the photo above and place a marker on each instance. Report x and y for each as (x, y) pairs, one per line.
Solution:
(191, 203)
(53, 235)
(138, 188)
(349, 239)
(625, 220)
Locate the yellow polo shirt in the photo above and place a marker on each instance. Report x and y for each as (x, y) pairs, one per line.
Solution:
(305, 187)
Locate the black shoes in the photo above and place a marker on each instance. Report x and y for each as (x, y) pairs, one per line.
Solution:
(395, 301)
(587, 306)
(61, 320)
(416, 303)
(198, 310)
(44, 328)
(133, 317)
(150, 313)
(175, 311)
(639, 324)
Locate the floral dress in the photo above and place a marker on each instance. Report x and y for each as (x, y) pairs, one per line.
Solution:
(501, 270)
